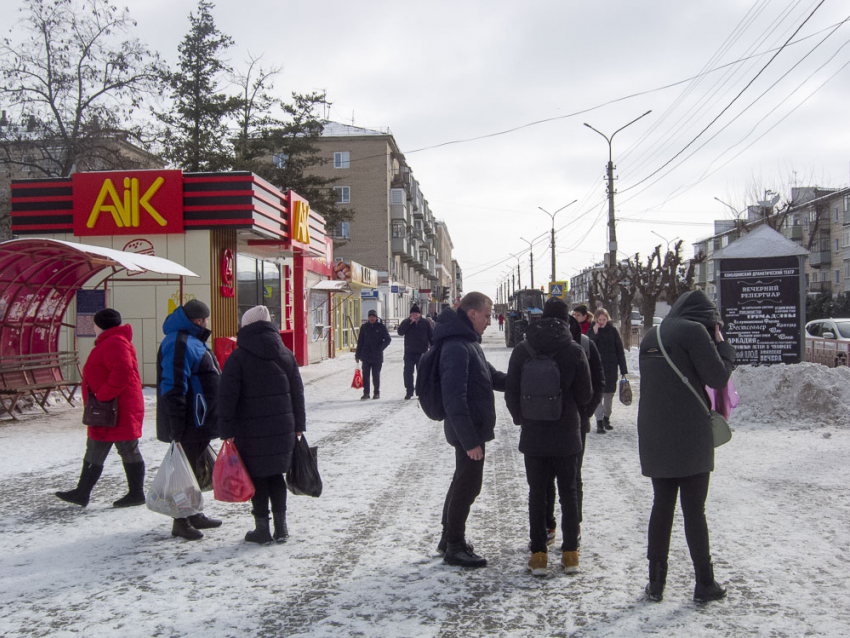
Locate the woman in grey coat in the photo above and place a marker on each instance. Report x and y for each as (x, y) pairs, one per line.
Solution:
(674, 433)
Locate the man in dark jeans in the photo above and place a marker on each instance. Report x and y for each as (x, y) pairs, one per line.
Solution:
(467, 381)
(418, 338)
(371, 343)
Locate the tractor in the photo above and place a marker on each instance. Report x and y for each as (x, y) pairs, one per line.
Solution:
(524, 308)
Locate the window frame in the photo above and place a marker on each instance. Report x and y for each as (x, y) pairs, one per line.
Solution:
(343, 194)
(342, 159)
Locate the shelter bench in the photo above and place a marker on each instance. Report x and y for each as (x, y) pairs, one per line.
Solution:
(36, 375)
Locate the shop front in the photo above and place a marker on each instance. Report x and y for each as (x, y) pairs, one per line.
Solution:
(250, 244)
(348, 303)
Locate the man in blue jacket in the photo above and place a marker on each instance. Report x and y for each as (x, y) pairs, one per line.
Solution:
(467, 382)
(187, 376)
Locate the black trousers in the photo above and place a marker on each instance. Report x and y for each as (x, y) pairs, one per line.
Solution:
(411, 362)
(193, 450)
(693, 491)
(375, 370)
(464, 489)
(539, 471)
(97, 451)
(550, 490)
(268, 488)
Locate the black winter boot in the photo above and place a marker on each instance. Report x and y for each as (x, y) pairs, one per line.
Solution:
(136, 482)
(657, 580)
(461, 555)
(201, 521)
(88, 478)
(608, 425)
(261, 534)
(183, 528)
(600, 427)
(281, 533)
(707, 588)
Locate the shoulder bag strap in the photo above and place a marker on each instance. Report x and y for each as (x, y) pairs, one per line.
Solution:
(528, 347)
(678, 372)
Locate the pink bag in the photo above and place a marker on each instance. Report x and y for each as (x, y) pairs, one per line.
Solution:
(725, 400)
(231, 482)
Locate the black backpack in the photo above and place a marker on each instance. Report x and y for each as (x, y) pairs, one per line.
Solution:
(540, 387)
(428, 387)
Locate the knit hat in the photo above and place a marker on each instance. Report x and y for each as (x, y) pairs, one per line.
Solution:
(195, 309)
(556, 308)
(575, 329)
(372, 313)
(107, 318)
(257, 313)
(415, 308)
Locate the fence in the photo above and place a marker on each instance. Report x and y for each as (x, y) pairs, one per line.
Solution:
(828, 352)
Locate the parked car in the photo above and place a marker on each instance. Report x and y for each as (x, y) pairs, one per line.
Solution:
(828, 342)
(657, 321)
(838, 329)
(637, 320)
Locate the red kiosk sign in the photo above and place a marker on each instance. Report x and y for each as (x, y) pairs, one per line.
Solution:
(128, 203)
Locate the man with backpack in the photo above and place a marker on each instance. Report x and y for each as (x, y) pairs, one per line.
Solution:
(466, 384)
(548, 379)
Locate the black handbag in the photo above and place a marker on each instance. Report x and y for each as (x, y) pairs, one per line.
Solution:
(303, 476)
(100, 414)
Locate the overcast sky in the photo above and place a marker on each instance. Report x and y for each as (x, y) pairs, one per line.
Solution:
(440, 71)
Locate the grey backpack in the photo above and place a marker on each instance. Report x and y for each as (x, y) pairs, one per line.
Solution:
(540, 387)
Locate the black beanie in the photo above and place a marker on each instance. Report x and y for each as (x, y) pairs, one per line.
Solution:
(195, 309)
(107, 318)
(415, 308)
(372, 313)
(557, 308)
(575, 329)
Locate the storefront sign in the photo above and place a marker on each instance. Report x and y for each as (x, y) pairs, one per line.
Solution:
(128, 203)
(760, 301)
(227, 268)
(299, 221)
(394, 289)
(357, 274)
(369, 294)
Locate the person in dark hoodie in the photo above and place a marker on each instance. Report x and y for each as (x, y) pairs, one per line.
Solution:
(551, 447)
(187, 376)
(674, 433)
(467, 382)
(261, 407)
(610, 345)
(418, 337)
(371, 343)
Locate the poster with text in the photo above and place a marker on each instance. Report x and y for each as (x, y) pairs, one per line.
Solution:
(89, 303)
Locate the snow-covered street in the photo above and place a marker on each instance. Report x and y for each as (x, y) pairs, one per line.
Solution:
(362, 561)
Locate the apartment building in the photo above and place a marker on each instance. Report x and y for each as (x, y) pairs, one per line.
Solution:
(394, 230)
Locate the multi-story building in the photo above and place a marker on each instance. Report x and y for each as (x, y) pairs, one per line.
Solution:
(445, 264)
(394, 230)
(457, 289)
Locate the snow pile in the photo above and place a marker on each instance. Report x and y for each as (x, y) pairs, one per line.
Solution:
(805, 392)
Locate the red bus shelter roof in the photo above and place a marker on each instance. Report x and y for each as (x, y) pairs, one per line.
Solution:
(39, 277)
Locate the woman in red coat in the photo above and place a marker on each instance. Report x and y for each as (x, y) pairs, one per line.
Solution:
(112, 371)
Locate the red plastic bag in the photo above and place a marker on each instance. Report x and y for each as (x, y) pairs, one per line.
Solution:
(231, 482)
(358, 379)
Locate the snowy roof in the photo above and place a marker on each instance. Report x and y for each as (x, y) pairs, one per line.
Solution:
(761, 242)
(336, 129)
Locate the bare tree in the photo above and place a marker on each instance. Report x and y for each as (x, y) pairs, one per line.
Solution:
(678, 275)
(627, 285)
(649, 279)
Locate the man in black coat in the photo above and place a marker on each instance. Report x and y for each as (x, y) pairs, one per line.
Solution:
(551, 447)
(467, 382)
(418, 338)
(371, 343)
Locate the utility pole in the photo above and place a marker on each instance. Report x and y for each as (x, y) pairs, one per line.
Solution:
(518, 275)
(612, 232)
(552, 215)
(531, 258)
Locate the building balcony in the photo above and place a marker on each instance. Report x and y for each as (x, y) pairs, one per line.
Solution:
(818, 259)
(400, 211)
(794, 233)
(819, 287)
(400, 246)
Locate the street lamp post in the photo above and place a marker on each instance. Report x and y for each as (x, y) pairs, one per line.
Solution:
(552, 215)
(662, 237)
(530, 257)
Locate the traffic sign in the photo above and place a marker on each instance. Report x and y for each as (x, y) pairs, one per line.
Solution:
(558, 289)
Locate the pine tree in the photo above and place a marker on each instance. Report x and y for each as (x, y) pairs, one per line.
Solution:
(196, 136)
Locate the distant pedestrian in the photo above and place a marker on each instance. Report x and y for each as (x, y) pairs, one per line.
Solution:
(501, 322)
(610, 346)
(674, 433)
(112, 371)
(418, 337)
(187, 394)
(583, 317)
(550, 438)
(467, 382)
(371, 343)
(261, 407)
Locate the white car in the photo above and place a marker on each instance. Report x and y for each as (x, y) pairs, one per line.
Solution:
(838, 329)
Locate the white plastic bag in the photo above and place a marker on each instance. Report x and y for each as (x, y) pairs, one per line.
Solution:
(175, 490)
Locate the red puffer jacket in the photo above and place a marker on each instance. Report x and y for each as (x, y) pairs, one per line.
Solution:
(113, 371)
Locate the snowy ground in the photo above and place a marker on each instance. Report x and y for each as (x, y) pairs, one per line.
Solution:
(361, 560)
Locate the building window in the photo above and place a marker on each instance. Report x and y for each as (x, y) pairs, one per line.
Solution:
(258, 284)
(396, 196)
(847, 203)
(837, 276)
(837, 246)
(847, 270)
(823, 276)
(343, 194)
(835, 213)
(279, 159)
(813, 216)
(343, 230)
(724, 241)
(807, 280)
(398, 230)
(341, 160)
(846, 237)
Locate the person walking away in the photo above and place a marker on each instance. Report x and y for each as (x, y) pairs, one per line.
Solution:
(548, 379)
(261, 407)
(371, 343)
(675, 440)
(418, 337)
(187, 394)
(112, 371)
(467, 382)
(501, 322)
(610, 347)
(583, 317)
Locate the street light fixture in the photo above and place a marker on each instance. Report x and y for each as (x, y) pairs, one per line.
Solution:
(662, 237)
(552, 215)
